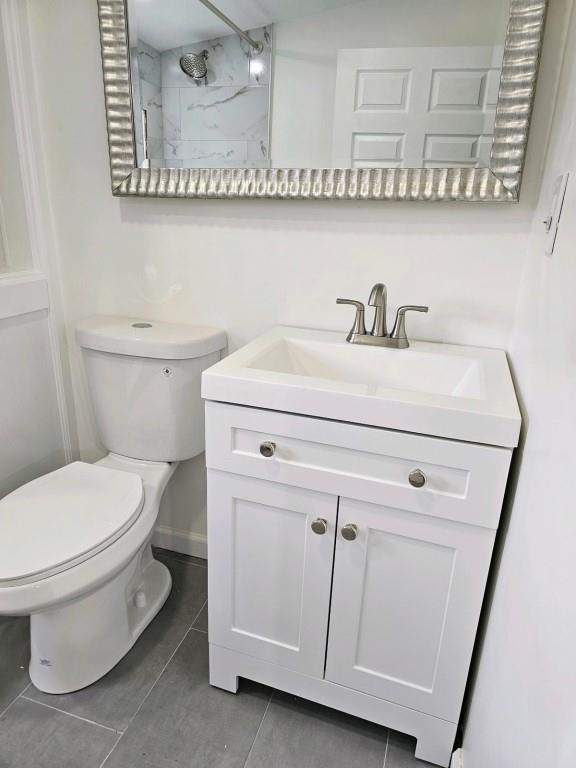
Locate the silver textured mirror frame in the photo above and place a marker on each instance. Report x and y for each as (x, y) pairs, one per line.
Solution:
(498, 183)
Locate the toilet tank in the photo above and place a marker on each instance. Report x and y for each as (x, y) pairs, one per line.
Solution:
(144, 381)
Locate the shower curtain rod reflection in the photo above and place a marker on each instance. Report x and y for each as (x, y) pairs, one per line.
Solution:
(258, 47)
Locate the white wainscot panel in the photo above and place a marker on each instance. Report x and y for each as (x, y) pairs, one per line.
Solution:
(32, 442)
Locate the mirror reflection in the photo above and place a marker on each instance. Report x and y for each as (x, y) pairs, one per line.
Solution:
(315, 84)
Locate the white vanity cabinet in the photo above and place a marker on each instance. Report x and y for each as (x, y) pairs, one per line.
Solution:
(271, 575)
(332, 577)
(405, 602)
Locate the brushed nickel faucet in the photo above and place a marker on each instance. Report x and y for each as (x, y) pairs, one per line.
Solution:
(379, 335)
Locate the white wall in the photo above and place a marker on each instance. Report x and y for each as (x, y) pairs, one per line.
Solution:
(523, 711)
(14, 241)
(247, 265)
(306, 58)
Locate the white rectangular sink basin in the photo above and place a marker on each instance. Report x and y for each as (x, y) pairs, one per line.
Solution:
(464, 393)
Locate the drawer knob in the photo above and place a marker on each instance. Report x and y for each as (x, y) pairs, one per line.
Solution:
(349, 531)
(320, 526)
(267, 449)
(417, 478)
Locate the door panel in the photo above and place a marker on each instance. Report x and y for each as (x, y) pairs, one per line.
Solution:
(406, 597)
(269, 574)
(415, 107)
(400, 640)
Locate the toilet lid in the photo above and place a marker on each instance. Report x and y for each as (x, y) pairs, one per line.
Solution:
(63, 518)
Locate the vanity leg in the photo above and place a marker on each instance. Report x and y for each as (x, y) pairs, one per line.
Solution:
(435, 743)
(221, 673)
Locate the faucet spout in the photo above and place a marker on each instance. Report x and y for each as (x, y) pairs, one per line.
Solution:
(379, 336)
(377, 300)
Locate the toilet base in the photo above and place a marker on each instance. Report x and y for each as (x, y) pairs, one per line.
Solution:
(77, 643)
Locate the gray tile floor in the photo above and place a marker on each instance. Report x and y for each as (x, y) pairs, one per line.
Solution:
(156, 709)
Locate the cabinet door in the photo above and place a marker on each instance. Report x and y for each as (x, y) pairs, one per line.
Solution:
(406, 600)
(269, 572)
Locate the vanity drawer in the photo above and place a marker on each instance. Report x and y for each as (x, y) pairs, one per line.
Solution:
(463, 481)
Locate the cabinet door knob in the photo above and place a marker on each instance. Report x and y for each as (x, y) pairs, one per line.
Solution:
(349, 531)
(320, 526)
(267, 449)
(417, 478)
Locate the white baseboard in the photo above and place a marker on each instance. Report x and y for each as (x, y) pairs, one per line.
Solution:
(185, 542)
(457, 759)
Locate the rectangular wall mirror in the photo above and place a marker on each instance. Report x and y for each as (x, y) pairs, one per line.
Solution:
(370, 99)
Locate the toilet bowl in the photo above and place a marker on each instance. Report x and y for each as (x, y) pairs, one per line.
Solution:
(75, 545)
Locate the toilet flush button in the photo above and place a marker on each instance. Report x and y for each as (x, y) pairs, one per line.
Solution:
(140, 599)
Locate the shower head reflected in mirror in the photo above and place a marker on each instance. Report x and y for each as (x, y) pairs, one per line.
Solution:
(194, 64)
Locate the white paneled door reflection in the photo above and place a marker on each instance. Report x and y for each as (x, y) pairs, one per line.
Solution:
(415, 107)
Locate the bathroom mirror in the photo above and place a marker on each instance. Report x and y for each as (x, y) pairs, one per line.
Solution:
(369, 99)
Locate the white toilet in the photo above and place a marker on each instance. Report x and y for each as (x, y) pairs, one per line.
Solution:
(75, 548)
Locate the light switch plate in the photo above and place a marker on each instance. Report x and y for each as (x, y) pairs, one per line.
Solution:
(551, 223)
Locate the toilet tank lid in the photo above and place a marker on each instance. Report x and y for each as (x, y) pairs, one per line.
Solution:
(137, 337)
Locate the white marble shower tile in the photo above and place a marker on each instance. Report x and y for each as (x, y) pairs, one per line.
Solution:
(155, 149)
(230, 61)
(257, 154)
(227, 63)
(206, 154)
(151, 97)
(172, 75)
(149, 64)
(171, 113)
(239, 113)
(260, 64)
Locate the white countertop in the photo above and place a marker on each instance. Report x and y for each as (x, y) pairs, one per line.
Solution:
(463, 393)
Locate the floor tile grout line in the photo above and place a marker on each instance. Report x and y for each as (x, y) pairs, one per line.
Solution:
(197, 616)
(113, 747)
(145, 699)
(203, 631)
(386, 748)
(14, 700)
(70, 714)
(259, 729)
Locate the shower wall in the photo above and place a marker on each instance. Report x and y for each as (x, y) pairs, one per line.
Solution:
(150, 78)
(223, 122)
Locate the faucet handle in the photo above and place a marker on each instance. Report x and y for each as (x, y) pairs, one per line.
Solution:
(399, 330)
(358, 329)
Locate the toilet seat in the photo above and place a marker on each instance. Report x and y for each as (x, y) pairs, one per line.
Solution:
(64, 518)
